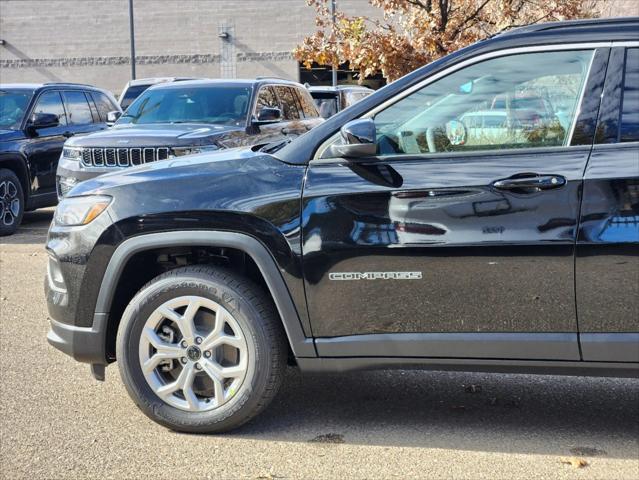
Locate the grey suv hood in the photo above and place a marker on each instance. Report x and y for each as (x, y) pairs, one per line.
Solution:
(155, 135)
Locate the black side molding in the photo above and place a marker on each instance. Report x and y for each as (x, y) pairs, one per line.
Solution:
(493, 345)
(595, 369)
(301, 345)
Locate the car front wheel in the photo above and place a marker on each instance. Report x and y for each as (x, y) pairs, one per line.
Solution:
(201, 349)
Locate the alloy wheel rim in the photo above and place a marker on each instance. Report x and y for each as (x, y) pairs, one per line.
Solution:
(9, 202)
(193, 353)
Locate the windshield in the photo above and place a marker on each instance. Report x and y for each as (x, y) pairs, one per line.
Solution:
(13, 106)
(225, 105)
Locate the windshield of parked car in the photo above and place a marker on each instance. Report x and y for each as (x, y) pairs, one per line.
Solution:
(131, 94)
(13, 107)
(218, 104)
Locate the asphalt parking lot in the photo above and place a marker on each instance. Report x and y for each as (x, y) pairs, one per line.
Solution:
(57, 422)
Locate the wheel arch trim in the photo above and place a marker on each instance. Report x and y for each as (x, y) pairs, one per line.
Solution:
(301, 345)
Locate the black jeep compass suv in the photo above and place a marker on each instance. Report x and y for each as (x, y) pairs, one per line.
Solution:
(481, 213)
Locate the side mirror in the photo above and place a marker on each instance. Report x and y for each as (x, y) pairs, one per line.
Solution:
(112, 117)
(269, 115)
(43, 120)
(359, 138)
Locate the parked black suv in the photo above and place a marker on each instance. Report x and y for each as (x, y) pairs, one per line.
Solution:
(180, 118)
(35, 121)
(392, 235)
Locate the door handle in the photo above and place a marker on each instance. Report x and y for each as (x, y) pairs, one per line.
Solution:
(68, 134)
(530, 182)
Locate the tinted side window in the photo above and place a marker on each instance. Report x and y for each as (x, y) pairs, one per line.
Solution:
(501, 103)
(288, 102)
(104, 104)
(266, 98)
(307, 104)
(630, 106)
(78, 108)
(51, 102)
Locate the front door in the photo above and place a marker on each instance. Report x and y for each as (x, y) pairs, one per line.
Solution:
(44, 149)
(458, 238)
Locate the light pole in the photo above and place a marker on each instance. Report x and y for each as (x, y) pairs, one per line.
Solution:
(132, 37)
(334, 73)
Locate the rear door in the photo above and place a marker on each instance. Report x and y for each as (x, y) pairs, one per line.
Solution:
(451, 241)
(607, 263)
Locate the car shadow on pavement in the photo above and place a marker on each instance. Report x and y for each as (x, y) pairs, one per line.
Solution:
(546, 415)
(33, 229)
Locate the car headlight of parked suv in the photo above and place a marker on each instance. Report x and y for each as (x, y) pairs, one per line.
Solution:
(72, 153)
(74, 211)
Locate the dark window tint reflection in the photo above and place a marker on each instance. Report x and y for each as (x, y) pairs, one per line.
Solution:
(630, 106)
(51, 102)
(104, 104)
(78, 108)
(289, 103)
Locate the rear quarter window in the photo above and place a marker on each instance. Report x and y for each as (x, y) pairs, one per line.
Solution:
(308, 105)
(103, 104)
(630, 106)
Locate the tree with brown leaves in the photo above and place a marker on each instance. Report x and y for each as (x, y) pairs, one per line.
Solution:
(413, 33)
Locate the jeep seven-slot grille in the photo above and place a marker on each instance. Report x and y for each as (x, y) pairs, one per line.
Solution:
(122, 157)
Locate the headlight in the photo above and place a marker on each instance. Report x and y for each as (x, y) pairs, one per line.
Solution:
(65, 184)
(72, 153)
(74, 211)
(181, 151)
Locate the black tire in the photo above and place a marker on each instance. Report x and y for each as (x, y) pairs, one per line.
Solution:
(253, 311)
(11, 202)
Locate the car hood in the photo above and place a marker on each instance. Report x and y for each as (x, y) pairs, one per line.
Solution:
(155, 135)
(229, 180)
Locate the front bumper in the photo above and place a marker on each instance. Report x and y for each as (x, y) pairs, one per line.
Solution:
(84, 344)
(76, 263)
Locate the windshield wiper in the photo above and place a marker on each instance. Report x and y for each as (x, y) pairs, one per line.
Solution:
(275, 146)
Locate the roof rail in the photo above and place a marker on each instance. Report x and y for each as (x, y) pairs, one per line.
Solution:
(70, 83)
(272, 77)
(584, 22)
